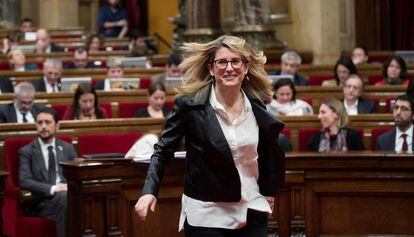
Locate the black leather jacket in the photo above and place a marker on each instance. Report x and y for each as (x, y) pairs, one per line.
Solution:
(211, 174)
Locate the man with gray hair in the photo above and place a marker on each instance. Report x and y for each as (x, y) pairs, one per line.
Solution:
(290, 63)
(52, 71)
(23, 109)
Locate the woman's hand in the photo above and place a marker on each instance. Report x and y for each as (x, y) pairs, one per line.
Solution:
(143, 203)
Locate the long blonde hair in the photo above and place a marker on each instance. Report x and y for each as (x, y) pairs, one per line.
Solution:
(198, 56)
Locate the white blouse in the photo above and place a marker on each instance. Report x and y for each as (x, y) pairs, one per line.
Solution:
(299, 107)
(242, 136)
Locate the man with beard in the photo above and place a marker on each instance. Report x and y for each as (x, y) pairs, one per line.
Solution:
(40, 173)
(400, 138)
(113, 20)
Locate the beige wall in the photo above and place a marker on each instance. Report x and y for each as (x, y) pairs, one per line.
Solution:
(58, 13)
(158, 13)
(314, 27)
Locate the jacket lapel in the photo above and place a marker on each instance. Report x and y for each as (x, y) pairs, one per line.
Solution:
(12, 113)
(214, 133)
(39, 159)
(60, 156)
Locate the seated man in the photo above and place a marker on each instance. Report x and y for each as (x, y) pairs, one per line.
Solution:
(6, 85)
(26, 25)
(23, 109)
(50, 82)
(171, 69)
(80, 59)
(43, 44)
(17, 61)
(359, 55)
(290, 63)
(353, 101)
(40, 173)
(114, 70)
(113, 20)
(400, 138)
(141, 45)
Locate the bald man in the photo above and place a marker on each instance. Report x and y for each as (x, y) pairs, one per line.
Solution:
(43, 44)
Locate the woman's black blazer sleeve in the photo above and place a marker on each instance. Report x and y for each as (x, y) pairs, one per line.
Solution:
(164, 150)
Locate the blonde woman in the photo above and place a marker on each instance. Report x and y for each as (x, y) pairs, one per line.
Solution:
(334, 135)
(234, 164)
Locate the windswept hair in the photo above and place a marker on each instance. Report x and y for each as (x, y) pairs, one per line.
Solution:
(199, 56)
(337, 107)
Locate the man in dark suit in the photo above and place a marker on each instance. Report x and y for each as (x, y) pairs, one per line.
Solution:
(290, 63)
(6, 85)
(43, 44)
(353, 101)
(50, 82)
(40, 173)
(171, 69)
(80, 60)
(22, 110)
(401, 137)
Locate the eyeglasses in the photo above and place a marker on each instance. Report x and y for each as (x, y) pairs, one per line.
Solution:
(236, 63)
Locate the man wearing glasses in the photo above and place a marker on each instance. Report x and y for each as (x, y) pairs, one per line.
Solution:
(23, 109)
(399, 139)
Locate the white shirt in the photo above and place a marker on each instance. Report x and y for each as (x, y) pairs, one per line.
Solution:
(49, 87)
(242, 136)
(399, 140)
(45, 153)
(19, 115)
(353, 109)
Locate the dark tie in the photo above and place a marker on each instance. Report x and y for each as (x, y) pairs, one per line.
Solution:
(24, 117)
(52, 166)
(53, 88)
(405, 144)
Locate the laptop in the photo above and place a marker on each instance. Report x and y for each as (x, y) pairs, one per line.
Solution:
(30, 36)
(136, 62)
(173, 82)
(275, 78)
(407, 55)
(124, 84)
(25, 48)
(70, 84)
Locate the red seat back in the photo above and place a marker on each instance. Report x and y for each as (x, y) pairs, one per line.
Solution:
(286, 132)
(127, 110)
(372, 79)
(106, 143)
(316, 80)
(145, 82)
(304, 136)
(375, 133)
(107, 107)
(60, 109)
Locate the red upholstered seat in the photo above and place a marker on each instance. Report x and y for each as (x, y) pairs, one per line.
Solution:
(145, 82)
(375, 133)
(127, 110)
(304, 136)
(372, 79)
(106, 143)
(107, 107)
(316, 80)
(14, 221)
(60, 109)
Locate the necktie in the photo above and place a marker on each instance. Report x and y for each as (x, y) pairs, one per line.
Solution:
(52, 166)
(405, 144)
(53, 88)
(24, 117)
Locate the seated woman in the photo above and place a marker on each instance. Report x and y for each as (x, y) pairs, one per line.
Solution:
(394, 71)
(94, 43)
(156, 99)
(85, 105)
(334, 135)
(284, 100)
(343, 68)
(17, 61)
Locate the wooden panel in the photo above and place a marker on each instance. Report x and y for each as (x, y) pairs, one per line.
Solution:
(325, 194)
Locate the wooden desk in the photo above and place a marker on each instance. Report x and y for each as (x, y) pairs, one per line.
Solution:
(332, 194)
(3, 176)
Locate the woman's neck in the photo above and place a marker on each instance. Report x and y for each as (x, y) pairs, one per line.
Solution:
(333, 130)
(227, 97)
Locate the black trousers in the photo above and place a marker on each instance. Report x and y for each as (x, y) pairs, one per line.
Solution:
(256, 226)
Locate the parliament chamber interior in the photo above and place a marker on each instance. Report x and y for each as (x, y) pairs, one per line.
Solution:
(356, 53)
